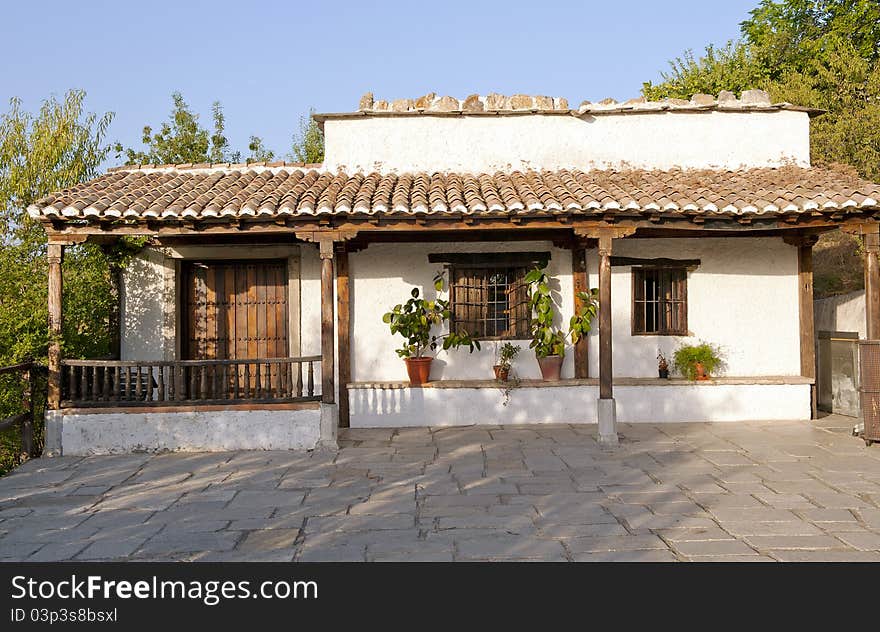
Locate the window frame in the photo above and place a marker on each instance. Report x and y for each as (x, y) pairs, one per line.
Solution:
(637, 273)
(521, 261)
(516, 276)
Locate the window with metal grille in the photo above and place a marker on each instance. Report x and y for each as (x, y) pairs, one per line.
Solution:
(659, 301)
(490, 302)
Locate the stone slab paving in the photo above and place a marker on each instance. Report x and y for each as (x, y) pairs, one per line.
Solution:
(789, 491)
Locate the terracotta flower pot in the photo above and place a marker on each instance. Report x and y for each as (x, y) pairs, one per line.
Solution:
(501, 372)
(701, 371)
(551, 367)
(418, 369)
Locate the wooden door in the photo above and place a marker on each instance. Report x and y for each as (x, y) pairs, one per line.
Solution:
(235, 310)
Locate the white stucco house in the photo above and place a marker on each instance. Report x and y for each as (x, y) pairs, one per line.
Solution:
(253, 318)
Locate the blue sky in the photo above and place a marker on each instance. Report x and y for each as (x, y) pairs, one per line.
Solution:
(269, 62)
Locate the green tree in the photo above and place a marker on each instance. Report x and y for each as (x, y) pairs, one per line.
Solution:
(181, 139)
(791, 35)
(259, 152)
(58, 146)
(730, 67)
(308, 142)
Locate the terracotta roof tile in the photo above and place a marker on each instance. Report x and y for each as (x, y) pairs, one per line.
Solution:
(184, 193)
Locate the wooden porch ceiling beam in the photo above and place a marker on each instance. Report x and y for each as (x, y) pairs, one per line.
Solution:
(365, 226)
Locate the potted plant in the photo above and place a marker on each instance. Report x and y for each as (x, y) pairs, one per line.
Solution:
(414, 320)
(662, 365)
(548, 340)
(697, 362)
(506, 355)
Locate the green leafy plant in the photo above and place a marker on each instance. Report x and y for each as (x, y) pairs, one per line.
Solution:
(507, 353)
(686, 358)
(415, 319)
(547, 338)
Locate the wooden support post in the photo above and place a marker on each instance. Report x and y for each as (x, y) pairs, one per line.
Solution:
(55, 256)
(805, 244)
(605, 349)
(343, 319)
(327, 345)
(581, 284)
(872, 281)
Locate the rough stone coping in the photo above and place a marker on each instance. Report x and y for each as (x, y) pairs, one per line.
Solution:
(618, 381)
(498, 104)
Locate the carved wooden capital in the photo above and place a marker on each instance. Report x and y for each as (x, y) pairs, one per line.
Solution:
(67, 240)
(317, 236)
(800, 239)
(326, 239)
(325, 249)
(597, 232)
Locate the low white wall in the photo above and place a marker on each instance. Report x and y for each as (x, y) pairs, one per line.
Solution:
(195, 431)
(402, 407)
(841, 313)
(718, 140)
(718, 402)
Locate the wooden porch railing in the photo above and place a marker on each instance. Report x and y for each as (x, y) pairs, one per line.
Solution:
(92, 383)
(29, 372)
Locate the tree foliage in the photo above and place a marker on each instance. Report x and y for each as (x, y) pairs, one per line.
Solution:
(308, 142)
(56, 147)
(729, 67)
(181, 139)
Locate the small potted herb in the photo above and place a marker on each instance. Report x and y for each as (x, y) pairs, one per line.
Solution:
(662, 365)
(697, 362)
(506, 355)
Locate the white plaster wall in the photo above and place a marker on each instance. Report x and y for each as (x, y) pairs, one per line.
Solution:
(718, 402)
(841, 313)
(310, 309)
(195, 431)
(147, 320)
(652, 141)
(743, 297)
(310, 297)
(400, 407)
(384, 274)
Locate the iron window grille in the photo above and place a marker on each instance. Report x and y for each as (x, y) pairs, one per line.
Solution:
(659, 301)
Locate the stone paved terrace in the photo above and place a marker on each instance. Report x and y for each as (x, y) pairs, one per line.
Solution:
(736, 491)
